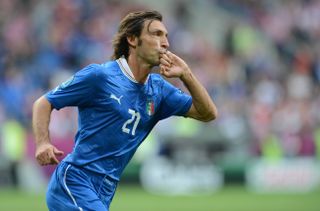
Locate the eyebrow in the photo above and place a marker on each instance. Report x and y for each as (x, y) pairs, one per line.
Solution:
(156, 29)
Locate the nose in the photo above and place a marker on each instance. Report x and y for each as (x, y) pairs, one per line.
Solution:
(165, 43)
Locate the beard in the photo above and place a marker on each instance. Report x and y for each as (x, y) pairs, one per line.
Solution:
(152, 57)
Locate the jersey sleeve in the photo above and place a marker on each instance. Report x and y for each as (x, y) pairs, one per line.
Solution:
(76, 91)
(174, 101)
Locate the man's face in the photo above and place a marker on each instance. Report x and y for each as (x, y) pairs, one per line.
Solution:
(152, 40)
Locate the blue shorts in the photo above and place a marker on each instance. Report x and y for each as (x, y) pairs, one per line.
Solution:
(74, 188)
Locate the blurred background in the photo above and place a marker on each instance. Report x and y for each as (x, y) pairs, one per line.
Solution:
(259, 60)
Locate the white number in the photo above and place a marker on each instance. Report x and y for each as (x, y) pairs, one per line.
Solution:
(135, 116)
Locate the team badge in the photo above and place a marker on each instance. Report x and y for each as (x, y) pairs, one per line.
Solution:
(150, 107)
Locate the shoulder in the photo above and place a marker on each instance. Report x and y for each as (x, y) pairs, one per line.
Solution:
(156, 78)
(109, 65)
(99, 70)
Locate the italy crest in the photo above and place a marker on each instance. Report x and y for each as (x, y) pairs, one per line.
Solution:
(150, 107)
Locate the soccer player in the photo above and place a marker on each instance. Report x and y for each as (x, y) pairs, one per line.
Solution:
(119, 102)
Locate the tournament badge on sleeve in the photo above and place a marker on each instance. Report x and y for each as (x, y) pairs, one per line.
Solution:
(64, 84)
(150, 107)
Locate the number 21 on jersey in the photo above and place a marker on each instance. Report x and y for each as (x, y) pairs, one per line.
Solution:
(134, 120)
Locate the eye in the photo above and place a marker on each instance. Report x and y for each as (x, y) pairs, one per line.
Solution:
(157, 33)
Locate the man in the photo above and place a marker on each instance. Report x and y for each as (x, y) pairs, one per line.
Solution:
(119, 102)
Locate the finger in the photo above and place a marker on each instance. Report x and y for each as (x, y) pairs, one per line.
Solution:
(163, 50)
(161, 70)
(58, 152)
(172, 56)
(166, 57)
(164, 71)
(46, 157)
(40, 161)
(41, 158)
(44, 162)
(52, 158)
(165, 62)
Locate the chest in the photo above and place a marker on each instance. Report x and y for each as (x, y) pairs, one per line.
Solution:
(131, 104)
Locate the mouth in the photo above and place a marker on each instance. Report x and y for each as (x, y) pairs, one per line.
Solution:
(162, 50)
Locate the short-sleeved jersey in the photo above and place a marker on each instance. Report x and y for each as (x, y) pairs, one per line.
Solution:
(116, 113)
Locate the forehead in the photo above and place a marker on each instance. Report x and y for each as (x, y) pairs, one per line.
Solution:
(154, 25)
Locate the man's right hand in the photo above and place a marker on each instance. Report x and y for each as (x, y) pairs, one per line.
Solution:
(46, 154)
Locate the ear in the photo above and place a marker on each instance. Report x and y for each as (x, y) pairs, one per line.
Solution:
(132, 41)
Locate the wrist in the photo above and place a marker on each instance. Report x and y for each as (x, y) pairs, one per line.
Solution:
(42, 143)
(186, 74)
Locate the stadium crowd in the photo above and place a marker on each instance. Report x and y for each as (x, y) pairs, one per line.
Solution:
(265, 77)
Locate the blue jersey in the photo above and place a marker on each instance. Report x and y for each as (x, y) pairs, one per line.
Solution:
(116, 113)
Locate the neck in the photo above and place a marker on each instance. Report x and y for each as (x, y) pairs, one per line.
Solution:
(139, 68)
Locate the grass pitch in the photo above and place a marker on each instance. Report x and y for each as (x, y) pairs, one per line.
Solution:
(133, 198)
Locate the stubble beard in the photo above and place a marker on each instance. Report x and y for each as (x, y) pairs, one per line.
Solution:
(152, 59)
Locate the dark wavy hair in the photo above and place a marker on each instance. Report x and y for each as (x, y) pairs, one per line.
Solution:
(131, 25)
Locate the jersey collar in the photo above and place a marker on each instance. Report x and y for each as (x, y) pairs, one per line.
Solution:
(124, 66)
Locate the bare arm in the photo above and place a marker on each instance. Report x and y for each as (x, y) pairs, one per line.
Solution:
(202, 108)
(45, 152)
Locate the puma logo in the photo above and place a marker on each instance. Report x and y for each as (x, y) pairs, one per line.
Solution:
(112, 96)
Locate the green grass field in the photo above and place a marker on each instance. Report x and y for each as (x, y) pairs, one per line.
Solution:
(133, 198)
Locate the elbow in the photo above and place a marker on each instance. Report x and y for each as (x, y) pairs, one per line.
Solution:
(37, 104)
(41, 104)
(210, 116)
